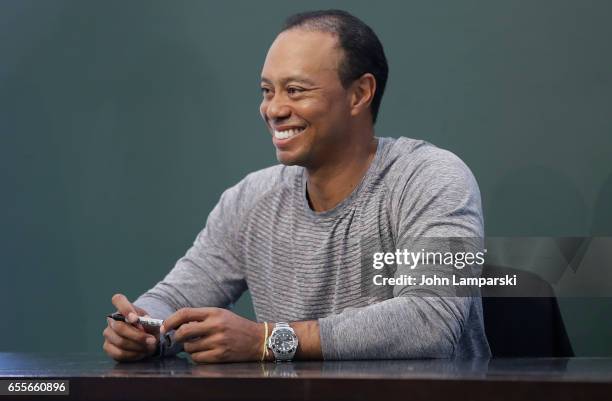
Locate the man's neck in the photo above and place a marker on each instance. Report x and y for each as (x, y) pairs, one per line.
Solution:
(330, 184)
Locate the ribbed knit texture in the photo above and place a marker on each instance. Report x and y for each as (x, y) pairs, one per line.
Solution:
(303, 265)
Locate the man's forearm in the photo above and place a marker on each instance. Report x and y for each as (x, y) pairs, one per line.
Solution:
(309, 339)
(397, 328)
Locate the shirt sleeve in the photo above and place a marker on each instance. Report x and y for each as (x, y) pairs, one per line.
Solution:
(438, 202)
(209, 274)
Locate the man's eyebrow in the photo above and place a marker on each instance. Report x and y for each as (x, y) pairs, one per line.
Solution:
(290, 79)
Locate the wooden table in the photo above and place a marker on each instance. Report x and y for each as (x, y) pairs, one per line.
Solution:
(96, 377)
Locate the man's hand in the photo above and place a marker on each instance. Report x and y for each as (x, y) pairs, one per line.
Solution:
(128, 342)
(213, 335)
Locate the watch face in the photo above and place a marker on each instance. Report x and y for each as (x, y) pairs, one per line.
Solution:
(284, 341)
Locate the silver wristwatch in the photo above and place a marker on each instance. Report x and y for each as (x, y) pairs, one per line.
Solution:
(283, 342)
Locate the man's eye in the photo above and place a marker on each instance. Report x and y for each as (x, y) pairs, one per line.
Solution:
(265, 91)
(294, 90)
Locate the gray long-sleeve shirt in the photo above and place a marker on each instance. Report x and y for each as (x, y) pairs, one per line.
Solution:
(303, 265)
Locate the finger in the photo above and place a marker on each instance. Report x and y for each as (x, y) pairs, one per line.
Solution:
(208, 356)
(125, 307)
(140, 311)
(199, 345)
(130, 332)
(182, 316)
(192, 330)
(121, 355)
(125, 343)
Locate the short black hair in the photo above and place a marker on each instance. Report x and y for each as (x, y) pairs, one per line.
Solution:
(363, 51)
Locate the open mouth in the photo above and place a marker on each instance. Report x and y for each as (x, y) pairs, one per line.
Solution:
(288, 133)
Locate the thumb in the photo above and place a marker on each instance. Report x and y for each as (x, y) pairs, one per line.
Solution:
(125, 307)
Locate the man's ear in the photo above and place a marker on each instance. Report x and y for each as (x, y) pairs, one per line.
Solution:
(363, 90)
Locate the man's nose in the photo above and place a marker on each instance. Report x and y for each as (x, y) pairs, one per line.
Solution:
(277, 109)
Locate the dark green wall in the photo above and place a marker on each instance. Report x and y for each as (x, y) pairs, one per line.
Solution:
(121, 122)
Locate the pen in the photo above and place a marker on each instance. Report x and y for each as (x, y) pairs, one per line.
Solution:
(145, 321)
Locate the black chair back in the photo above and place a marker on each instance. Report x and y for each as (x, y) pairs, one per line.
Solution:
(518, 326)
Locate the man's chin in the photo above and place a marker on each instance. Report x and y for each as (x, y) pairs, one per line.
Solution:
(288, 159)
(287, 162)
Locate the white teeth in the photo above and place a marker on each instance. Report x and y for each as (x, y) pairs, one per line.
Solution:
(287, 133)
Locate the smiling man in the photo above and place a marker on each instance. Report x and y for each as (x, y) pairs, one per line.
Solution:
(299, 235)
